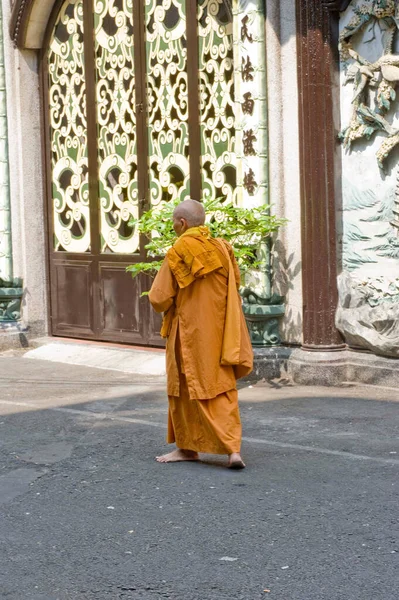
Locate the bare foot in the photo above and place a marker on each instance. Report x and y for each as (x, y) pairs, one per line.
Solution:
(178, 456)
(235, 461)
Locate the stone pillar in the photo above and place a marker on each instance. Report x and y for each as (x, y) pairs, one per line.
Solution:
(282, 91)
(5, 209)
(317, 39)
(26, 171)
(10, 290)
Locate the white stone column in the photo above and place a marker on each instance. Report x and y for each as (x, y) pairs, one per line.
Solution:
(284, 175)
(26, 179)
(6, 273)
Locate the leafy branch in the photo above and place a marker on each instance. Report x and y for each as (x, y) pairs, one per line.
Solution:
(246, 229)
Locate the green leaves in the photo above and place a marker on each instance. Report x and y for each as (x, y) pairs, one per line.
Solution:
(151, 268)
(245, 228)
(157, 226)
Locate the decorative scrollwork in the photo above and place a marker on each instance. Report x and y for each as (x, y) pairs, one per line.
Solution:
(167, 97)
(117, 147)
(217, 115)
(233, 116)
(68, 131)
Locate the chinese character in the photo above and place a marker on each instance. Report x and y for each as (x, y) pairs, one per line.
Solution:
(248, 141)
(249, 182)
(247, 70)
(244, 30)
(248, 105)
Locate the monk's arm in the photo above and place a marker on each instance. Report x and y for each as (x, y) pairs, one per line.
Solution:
(164, 289)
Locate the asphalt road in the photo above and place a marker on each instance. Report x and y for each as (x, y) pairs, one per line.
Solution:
(86, 512)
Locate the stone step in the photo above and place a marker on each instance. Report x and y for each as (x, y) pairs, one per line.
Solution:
(115, 357)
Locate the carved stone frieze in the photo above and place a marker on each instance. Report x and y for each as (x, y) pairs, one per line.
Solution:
(368, 314)
(374, 81)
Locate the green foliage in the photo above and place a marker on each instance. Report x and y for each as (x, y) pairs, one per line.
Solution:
(246, 229)
(151, 268)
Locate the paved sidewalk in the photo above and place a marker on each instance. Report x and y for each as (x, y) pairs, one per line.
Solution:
(116, 357)
(86, 512)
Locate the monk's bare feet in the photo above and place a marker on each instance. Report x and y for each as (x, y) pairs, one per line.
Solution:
(235, 461)
(177, 456)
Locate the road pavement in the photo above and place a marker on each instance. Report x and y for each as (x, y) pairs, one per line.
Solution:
(86, 512)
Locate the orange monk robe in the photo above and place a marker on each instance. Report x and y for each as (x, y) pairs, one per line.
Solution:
(191, 289)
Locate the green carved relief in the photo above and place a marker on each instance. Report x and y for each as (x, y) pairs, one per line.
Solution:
(217, 106)
(262, 316)
(167, 97)
(10, 304)
(116, 118)
(68, 131)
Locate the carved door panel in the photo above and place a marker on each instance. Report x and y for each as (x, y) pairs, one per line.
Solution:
(138, 109)
(95, 119)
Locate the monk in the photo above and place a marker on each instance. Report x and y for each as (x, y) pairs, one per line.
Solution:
(208, 346)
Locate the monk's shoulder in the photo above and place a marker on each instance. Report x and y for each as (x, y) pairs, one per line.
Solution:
(172, 258)
(188, 246)
(178, 246)
(226, 243)
(170, 252)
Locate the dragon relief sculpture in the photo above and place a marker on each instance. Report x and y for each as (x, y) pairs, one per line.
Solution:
(381, 76)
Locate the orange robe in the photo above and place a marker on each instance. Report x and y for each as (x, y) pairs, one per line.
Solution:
(191, 288)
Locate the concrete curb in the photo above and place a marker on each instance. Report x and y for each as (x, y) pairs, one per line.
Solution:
(326, 368)
(300, 366)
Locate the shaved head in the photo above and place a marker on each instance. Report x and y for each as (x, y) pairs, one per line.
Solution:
(191, 211)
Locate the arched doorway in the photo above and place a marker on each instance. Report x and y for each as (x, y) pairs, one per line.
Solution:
(138, 109)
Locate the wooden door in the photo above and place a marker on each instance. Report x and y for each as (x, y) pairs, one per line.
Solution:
(120, 79)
